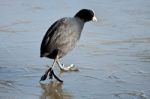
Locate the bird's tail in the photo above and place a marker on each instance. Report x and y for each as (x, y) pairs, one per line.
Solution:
(41, 56)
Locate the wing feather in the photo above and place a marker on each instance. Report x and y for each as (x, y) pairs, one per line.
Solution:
(45, 45)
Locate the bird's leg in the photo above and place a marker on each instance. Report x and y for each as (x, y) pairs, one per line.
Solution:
(66, 68)
(50, 70)
(51, 73)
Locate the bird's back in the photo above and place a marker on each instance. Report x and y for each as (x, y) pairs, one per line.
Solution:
(61, 37)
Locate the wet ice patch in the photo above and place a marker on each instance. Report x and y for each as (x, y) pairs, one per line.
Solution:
(131, 95)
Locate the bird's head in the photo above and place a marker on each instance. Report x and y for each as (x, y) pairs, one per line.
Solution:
(86, 15)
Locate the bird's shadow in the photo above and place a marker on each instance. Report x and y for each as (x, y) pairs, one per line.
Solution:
(54, 90)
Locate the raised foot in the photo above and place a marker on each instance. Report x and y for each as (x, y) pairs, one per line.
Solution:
(72, 67)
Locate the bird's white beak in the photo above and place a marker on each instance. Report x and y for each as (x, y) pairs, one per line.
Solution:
(94, 19)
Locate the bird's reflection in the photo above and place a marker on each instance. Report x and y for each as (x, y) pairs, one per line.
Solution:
(54, 90)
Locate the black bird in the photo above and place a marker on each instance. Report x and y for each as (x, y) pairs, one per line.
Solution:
(62, 37)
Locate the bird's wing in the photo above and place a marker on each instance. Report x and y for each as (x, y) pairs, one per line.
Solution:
(49, 34)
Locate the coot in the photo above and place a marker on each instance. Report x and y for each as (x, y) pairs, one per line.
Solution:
(62, 37)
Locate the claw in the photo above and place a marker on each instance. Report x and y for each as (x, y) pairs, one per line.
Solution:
(51, 75)
(56, 77)
(43, 77)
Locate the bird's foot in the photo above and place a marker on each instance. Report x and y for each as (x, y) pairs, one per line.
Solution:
(72, 67)
(46, 73)
(51, 75)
